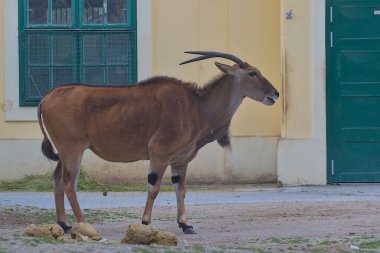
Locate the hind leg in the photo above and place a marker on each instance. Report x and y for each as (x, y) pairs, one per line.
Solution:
(69, 180)
(59, 198)
(179, 182)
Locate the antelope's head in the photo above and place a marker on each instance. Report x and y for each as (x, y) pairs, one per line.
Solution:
(251, 82)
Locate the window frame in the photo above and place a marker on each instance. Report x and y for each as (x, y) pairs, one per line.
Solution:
(130, 24)
(24, 17)
(76, 26)
(77, 19)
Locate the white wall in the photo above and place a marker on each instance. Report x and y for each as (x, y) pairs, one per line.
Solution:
(252, 160)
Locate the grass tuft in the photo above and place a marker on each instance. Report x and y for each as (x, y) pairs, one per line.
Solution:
(370, 245)
(43, 215)
(28, 183)
(288, 240)
(43, 183)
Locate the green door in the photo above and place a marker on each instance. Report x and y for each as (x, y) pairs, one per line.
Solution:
(353, 90)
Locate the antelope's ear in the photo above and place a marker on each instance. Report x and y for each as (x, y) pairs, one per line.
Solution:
(225, 68)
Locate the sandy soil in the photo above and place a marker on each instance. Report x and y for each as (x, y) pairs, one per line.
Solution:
(268, 227)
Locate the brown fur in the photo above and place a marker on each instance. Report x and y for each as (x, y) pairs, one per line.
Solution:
(161, 119)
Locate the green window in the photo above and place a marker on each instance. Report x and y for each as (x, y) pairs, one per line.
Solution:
(70, 41)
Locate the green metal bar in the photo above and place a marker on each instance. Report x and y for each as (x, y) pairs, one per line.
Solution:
(50, 52)
(129, 8)
(21, 20)
(80, 54)
(65, 29)
(49, 14)
(133, 21)
(105, 16)
(105, 69)
(103, 65)
(23, 5)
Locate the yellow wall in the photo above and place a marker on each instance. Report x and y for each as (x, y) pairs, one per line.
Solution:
(297, 64)
(248, 28)
(301, 157)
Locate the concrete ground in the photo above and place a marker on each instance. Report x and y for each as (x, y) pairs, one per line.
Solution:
(244, 194)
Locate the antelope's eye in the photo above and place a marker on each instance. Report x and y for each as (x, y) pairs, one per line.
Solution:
(253, 73)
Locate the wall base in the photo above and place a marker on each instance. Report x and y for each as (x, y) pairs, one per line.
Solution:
(252, 160)
(301, 162)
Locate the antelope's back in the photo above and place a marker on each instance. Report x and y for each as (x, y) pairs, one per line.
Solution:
(102, 117)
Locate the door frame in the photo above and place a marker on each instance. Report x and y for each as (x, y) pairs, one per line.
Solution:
(329, 90)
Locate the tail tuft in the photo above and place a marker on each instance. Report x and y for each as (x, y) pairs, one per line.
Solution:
(48, 151)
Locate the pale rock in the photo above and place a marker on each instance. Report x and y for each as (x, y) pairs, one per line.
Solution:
(139, 234)
(44, 230)
(84, 231)
(145, 234)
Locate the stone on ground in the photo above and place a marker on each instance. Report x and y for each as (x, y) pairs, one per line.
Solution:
(165, 238)
(84, 231)
(139, 234)
(44, 230)
(146, 234)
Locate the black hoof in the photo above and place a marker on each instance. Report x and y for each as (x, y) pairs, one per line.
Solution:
(66, 228)
(145, 222)
(189, 230)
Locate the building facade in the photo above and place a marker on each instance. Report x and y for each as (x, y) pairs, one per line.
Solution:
(286, 40)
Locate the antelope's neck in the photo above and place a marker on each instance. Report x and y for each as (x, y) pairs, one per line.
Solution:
(221, 103)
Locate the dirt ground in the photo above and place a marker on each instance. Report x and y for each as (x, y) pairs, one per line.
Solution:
(261, 227)
(266, 227)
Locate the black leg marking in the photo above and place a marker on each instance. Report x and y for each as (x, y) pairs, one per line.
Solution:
(152, 178)
(186, 228)
(176, 179)
(145, 223)
(66, 228)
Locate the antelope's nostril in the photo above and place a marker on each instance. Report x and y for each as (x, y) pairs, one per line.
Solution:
(276, 93)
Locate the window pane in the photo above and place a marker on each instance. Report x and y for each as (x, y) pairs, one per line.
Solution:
(93, 49)
(38, 12)
(93, 75)
(93, 12)
(117, 12)
(62, 75)
(38, 49)
(117, 76)
(117, 48)
(61, 14)
(62, 49)
(38, 84)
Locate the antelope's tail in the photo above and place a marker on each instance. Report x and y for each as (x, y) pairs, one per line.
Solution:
(46, 147)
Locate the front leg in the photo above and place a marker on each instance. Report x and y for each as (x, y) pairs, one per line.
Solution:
(179, 182)
(156, 172)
